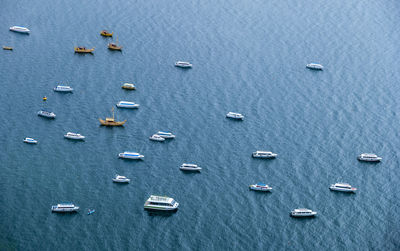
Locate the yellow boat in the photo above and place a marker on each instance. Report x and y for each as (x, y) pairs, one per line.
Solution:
(128, 86)
(111, 121)
(114, 47)
(105, 33)
(83, 50)
(7, 48)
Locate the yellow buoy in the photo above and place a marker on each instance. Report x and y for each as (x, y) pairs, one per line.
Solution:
(44, 98)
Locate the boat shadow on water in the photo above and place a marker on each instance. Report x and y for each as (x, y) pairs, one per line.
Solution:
(156, 213)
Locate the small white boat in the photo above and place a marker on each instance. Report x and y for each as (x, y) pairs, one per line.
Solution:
(314, 66)
(157, 137)
(260, 187)
(264, 154)
(63, 88)
(343, 187)
(183, 64)
(303, 212)
(370, 157)
(121, 179)
(131, 155)
(166, 135)
(189, 167)
(47, 114)
(76, 136)
(234, 115)
(20, 29)
(64, 208)
(162, 203)
(30, 141)
(127, 104)
(128, 86)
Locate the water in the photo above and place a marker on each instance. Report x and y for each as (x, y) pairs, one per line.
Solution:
(248, 57)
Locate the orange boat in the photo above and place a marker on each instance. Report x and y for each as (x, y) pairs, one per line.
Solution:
(83, 50)
(7, 48)
(105, 33)
(114, 47)
(111, 121)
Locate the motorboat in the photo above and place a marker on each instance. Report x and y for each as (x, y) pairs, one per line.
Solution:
(111, 121)
(314, 66)
(20, 29)
(189, 167)
(47, 114)
(166, 135)
(264, 154)
(7, 48)
(162, 203)
(76, 136)
(63, 88)
(127, 104)
(370, 157)
(157, 137)
(343, 187)
(128, 86)
(260, 187)
(303, 212)
(234, 115)
(30, 141)
(91, 211)
(83, 50)
(121, 179)
(114, 47)
(183, 64)
(105, 33)
(130, 155)
(65, 207)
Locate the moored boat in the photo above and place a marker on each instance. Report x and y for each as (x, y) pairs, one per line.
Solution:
(114, 47)
(369, 157)
(75, 136)
(157, 137)
(121, 179)
(30, 141)
(47, 114)
(343, 187)
(65, 207)
(235, 115)
(127, 104)
(63, 88)
(111, 121)
(83, 50)
(260, 187)
(314, 66)
(162, 203)
(183, 64)
(130, 155)
(128, 86)
(190, 167)
(303, 212)
(7, 48)
(264, 154)
(105, 33)
(166, 135)
(20, 29)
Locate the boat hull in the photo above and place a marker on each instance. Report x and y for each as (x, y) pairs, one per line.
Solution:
(121, 181)
(65, 210)
(262, 189)
(369, 160)
(124, 156)
(135, 106)
(264, 156)
(115, 123)
(74, 138)
(157, 139)
(303, 215)
(190, 169)
(77, 50)
(30, 141)
(343, 190)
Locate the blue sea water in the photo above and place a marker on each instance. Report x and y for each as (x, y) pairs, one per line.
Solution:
(248, 57)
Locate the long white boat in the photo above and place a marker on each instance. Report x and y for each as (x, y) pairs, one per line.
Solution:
(20, 29)
(343, 187)
(264, 154)
(157, 137)
(75, 136)
(165, 135)
(260, 187)
(235, 115)
(47, 114)
(65, 207)
(190, 167)
(127, 104)
(162, 203)
(63, 88)
(303, 212)
(131, 155)
(30, 141)
(121, 179)
(370, 157)
(183, 64)
(314, 66)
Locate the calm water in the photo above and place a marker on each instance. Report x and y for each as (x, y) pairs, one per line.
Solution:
(249, 57)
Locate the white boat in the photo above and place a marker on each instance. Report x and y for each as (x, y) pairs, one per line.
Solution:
(343, 187)
(303, 212)
(162, 203)
(369, 157)
(183, 64)
(76, 136)
(189, 167)
(121, 179)
(30, 141)
(260, 187)
(234, 115)
(20, 29)
(127, 104)
(157, 137)
(314, 66)
(47, 114)
(128, 86)
(264, 154)
(130, 155)
(166, 135)
(64, 208)
(63, 88)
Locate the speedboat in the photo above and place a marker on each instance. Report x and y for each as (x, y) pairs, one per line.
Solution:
(260, 187)
(157, 137)
(343, 187)
(234, 115)
(166, 135)
(162, 203)
(303, 212)
(128, 86)
(121, 179)
(189, 167)
(314, 66)
(63, 88)
(264, 155)
(20, 29)
(127, 104)
(64, 208)
(47, 114)
(369, 157)
(183, 64)
(76, 136)
(131, 155)
(30, 141)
